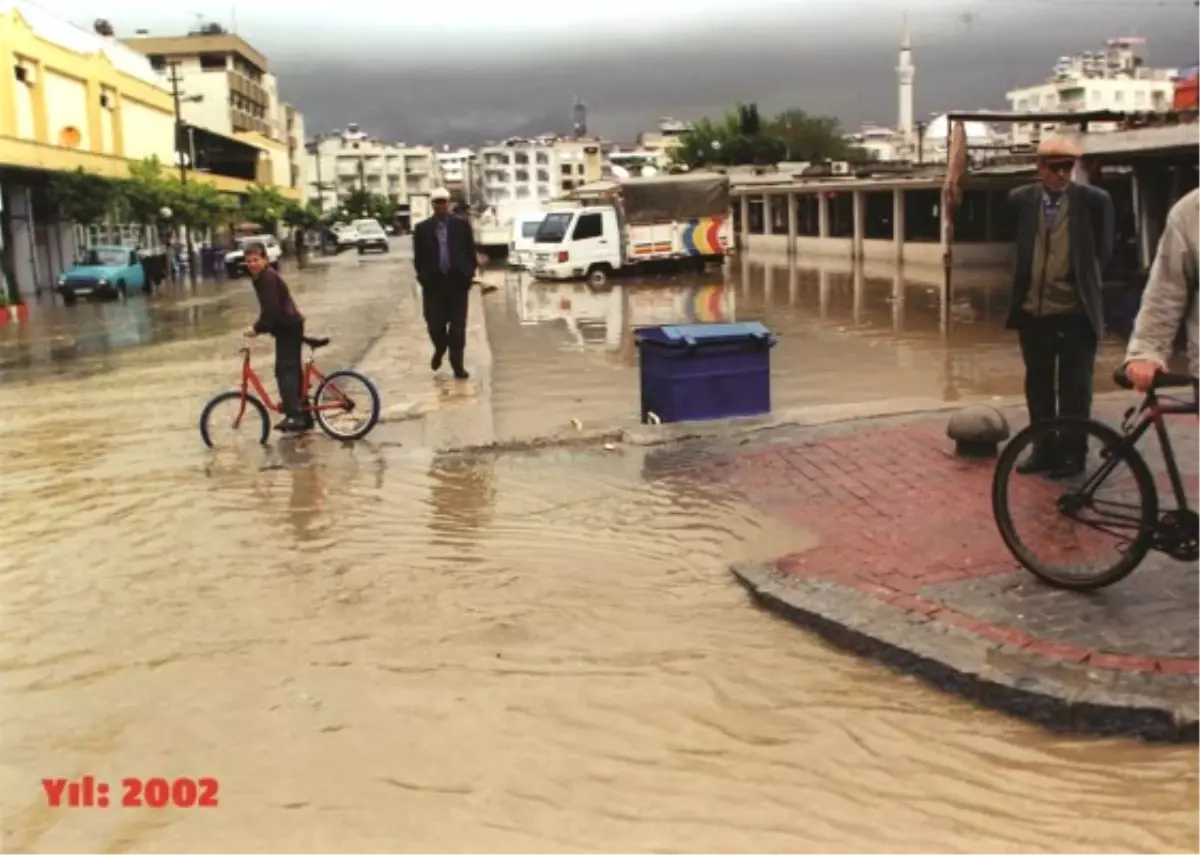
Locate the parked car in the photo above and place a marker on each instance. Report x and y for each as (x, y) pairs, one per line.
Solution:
(235, 260)
(104, 272)
(370, 235)
(520, 244)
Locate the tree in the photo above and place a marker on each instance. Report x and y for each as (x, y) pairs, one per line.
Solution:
(357, 203)
(812, 138)
(741, 138)
(201, 206)
(265, 206)
(301, 216)
(148, 197)
(82, 197)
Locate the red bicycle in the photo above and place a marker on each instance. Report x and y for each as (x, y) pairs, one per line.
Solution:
(335, 398)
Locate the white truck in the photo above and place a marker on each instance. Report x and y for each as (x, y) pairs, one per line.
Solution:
(638, 222)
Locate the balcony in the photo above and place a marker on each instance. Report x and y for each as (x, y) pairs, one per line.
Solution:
(247, 88)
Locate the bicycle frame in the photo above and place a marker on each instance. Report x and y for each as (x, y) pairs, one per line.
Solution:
(310, 378)
(1134, 426)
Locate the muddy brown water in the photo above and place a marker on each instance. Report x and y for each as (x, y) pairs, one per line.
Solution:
(382, 648)
(846, 335)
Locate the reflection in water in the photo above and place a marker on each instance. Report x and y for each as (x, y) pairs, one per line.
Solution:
(301, 625)
(847, 334)
(461, 498)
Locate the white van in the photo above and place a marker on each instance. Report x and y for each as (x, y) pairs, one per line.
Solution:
(520, 242)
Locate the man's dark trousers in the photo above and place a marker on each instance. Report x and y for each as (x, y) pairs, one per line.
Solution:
(1060, 360)
(445, 299)
(289, 358)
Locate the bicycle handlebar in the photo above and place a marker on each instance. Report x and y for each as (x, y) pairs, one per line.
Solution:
(1162, 380)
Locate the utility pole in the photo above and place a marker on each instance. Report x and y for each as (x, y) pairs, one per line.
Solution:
(181, 156)
(317, 140)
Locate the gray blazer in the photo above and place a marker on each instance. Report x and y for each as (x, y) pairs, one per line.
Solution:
(1092, 227)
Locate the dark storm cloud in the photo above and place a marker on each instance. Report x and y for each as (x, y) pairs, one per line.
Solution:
(830, 60)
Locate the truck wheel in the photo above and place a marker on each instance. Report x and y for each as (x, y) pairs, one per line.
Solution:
(597, 275)
(69, 298)
(122, 291)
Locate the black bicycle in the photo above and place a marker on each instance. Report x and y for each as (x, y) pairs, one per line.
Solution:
(1105, 509)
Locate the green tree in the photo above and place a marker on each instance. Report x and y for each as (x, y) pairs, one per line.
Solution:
(82, 197)
(264, 206)
(357, 203)
(811, 138)
(201, 206)
(741, 138)
(301, 216)
(147, 196)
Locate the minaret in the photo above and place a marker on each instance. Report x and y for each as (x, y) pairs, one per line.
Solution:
(904, 80)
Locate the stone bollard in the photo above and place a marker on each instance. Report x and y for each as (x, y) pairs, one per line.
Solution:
(977, 431)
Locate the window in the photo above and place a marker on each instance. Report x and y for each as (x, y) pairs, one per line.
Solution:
(1139, 98)
(1119, 96)
(554, 228)
(566, 169)
(589, 226)
(212, 62)
(158, 62)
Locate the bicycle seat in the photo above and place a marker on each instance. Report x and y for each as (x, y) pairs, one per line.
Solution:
(315, 343)
(1162, 380)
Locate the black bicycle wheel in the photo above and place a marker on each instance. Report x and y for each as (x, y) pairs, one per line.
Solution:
(225, 411)
(347, 405)
(1080, 513)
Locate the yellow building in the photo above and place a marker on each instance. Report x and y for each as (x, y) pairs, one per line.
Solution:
(73, 98)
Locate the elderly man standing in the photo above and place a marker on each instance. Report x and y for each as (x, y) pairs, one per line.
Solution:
(444, 257)
(1064, 241)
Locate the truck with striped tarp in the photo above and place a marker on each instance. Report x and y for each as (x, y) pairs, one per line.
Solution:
(613, 227)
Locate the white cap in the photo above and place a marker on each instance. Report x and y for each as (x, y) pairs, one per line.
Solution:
(440, 195)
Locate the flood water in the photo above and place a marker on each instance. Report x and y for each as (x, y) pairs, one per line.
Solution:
(383, 648)
(845, 335)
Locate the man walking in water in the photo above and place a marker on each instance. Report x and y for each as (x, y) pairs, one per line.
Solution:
(444, 257)
(1064, 241)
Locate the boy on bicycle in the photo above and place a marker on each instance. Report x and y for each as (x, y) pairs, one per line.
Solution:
(1169, 298)
(279, 317)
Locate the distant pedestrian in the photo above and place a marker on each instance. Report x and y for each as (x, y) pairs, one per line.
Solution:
(444, 258)
(1064, 242)
(1170, 298)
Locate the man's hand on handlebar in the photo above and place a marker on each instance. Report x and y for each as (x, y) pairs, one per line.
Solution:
(1141, 372)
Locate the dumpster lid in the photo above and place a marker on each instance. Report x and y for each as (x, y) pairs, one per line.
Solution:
(715, 332)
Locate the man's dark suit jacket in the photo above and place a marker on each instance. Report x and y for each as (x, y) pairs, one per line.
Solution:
(1091, 235)
(461, 246)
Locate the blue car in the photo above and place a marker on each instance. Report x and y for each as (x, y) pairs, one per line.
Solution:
(106, 273)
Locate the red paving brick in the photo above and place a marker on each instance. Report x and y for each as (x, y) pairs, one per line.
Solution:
(900, 520)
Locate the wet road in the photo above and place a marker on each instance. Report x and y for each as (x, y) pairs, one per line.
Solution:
(845, 336)
(382, 648)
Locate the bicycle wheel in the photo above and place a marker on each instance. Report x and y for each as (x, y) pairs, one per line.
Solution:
(225, 413)
(1113, 502)
(346, 405)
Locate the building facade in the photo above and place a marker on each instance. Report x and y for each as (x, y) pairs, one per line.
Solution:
(226, 85)
(537, 170)
(348, 160)
(1115, 78)
(460, 173)
(69, 99)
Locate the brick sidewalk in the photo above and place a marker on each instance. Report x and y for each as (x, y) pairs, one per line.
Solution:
(909, 568)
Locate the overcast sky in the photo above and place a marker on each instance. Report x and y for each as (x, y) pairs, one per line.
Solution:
(431, 72)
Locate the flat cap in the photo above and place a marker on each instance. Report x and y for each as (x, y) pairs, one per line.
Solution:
(1058, 147)
(441, 194)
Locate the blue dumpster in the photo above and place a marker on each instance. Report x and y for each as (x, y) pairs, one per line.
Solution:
(696, 372)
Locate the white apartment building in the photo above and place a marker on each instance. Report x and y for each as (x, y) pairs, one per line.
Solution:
(537, 170)
(224, 82)
(346, 160)
(1112, 79)
(459, 172)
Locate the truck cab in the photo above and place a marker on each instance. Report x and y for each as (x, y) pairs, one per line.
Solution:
(579, 243)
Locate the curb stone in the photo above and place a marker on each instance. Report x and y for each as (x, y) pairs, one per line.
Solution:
(1063, 697)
